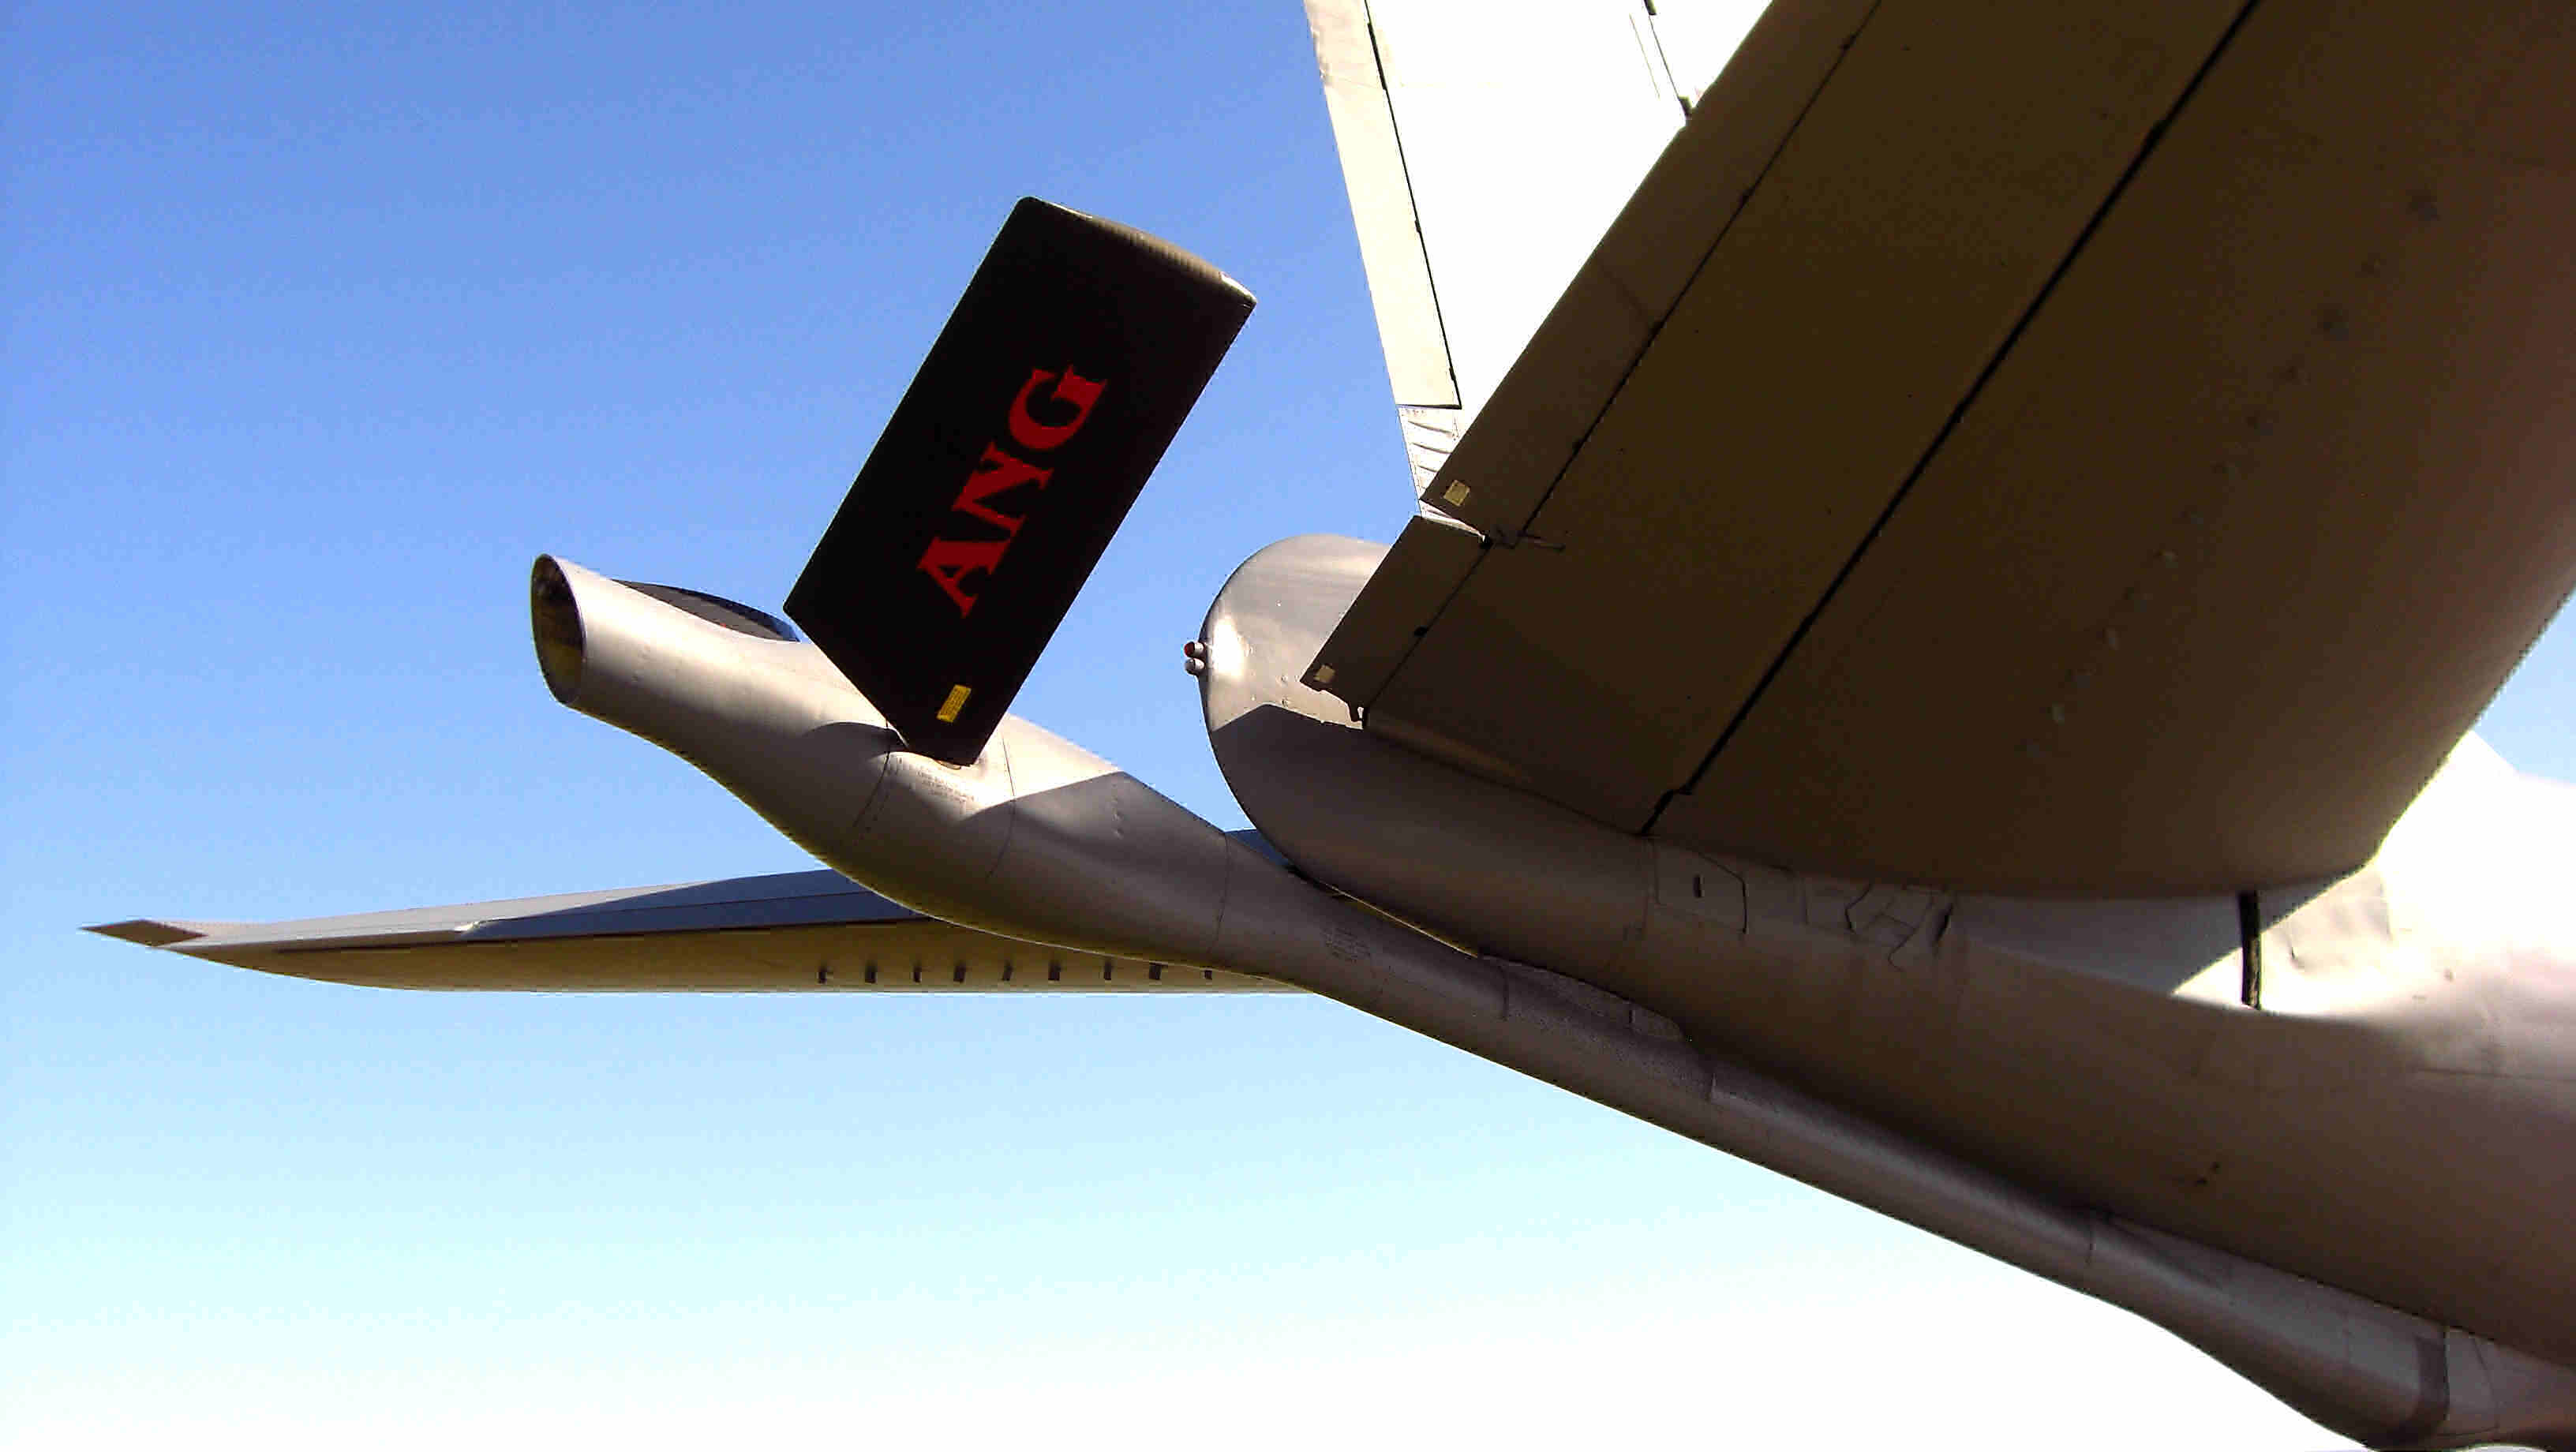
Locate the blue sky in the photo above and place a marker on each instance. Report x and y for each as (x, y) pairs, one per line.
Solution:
(322, 321)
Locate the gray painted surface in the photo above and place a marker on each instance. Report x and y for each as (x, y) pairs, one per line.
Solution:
(1909, 1050)
(2399, 1124)
(1986, 427)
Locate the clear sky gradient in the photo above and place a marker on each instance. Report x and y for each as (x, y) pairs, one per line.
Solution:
(324, 320)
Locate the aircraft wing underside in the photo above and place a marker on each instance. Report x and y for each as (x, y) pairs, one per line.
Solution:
(1486, 145)
(1988, 426)
(784, 932)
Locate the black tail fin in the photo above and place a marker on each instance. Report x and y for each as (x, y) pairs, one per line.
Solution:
(1068, 366)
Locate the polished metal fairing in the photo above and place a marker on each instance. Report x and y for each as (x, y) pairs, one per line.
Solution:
(1825, 1029)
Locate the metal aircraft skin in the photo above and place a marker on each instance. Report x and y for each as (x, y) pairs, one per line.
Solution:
(1941, 666)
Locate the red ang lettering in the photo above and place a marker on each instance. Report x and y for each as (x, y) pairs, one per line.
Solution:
(1072, 388)
(994, 473)
(950, 561)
